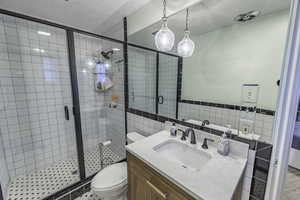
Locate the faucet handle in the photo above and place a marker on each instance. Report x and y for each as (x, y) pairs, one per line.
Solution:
(204, 145)
(183, 137)
(205, 122)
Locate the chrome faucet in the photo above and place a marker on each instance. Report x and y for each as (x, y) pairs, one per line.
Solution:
(204, 145)
(193, 137)
(183, 137)
(186, 133)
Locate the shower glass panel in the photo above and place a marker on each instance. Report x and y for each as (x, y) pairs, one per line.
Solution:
(142, 79)
(167, 85)
(100, 66)
(38, 144)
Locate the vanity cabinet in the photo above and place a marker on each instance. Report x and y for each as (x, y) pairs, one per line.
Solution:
(146, 184)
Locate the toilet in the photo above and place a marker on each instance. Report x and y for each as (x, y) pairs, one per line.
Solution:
(111, 182)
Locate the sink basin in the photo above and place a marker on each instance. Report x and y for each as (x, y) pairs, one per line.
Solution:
(187, 156)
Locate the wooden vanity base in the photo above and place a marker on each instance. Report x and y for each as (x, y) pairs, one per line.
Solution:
(144, 183)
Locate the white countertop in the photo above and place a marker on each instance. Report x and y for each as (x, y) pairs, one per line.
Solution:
(216, 180)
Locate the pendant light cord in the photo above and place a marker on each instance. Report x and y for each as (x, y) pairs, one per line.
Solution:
(165, 8)
(187, 20)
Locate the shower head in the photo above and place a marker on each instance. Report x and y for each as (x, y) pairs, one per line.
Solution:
(107, 54)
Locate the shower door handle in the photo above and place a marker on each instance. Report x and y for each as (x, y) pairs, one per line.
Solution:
(67, 115)
(161, 99)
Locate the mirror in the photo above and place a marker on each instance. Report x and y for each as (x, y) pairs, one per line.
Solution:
(232, 77)
(141, 79)
(152, 81)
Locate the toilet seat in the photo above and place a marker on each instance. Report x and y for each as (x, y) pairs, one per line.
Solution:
(110, 178)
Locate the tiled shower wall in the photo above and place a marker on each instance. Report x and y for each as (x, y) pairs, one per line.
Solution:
(142, 79)
(221, 116)
(35, 87)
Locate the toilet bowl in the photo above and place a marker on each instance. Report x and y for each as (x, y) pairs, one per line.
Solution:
(111, 182)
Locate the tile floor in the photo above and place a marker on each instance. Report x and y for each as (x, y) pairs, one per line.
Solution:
(58, 176)
(88, 196)
(292, 187)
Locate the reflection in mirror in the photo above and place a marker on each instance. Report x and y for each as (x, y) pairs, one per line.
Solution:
(142, 79)
(167, 85)
(231, 79)
(152, 81)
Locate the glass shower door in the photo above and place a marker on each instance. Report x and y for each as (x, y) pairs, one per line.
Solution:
(99, 66)
(167, 85)
(142, 79)
(37, 131)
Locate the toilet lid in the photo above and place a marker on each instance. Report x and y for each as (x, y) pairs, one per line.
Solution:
(111, 176)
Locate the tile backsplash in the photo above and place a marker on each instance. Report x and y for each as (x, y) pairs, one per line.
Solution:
(224, 116)
(143, 125)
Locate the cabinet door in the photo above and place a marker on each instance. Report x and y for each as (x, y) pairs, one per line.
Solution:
(142, 189)
(162, 191)
(137, 187)
(146, 184)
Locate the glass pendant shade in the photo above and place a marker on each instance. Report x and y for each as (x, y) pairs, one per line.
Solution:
(164, 38)
(186, 46)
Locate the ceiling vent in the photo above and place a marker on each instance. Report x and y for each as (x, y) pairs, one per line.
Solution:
(247, 16)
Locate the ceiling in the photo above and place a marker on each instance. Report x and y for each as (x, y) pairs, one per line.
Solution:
(91, 15)
(209, 15)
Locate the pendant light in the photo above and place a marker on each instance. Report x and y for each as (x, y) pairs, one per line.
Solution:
(164, 38)
(186, 46)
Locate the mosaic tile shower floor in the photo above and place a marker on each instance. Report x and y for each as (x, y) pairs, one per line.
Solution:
(62, 174)
(90, 196)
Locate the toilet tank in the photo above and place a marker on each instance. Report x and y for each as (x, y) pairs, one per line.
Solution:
(133, 137)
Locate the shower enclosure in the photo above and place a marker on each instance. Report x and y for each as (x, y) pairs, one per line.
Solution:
(153, 81)
(52, 118)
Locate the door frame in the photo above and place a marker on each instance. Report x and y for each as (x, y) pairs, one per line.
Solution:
(287, 105)
(76, 102)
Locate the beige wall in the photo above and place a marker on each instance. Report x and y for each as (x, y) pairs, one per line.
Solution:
(231, 56)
